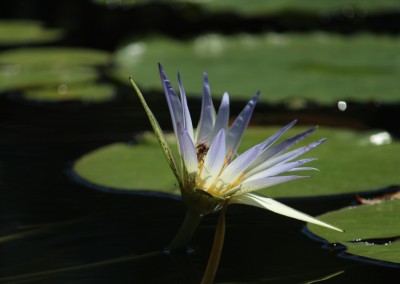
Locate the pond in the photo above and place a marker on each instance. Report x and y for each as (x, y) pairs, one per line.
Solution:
(64, 95)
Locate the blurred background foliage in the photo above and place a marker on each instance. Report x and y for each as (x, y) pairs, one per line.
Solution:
(300, 51)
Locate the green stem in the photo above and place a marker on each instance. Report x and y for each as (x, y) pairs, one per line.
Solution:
(186, 231)
(215, 256)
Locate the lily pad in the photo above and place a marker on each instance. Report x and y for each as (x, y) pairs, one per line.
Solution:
(349, 162)
(17, 78)
(257, 7)
(52, 56)
(130, 167)
(14, 32)
(371, 231)
(44, 73)
(64, 92)
(320, 67)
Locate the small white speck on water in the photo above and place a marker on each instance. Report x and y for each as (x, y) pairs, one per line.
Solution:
(342, 105)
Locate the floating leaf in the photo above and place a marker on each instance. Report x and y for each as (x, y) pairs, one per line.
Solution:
(53, 57)
(45, 73)
(64, 92)
(132, 167)
(320, 67)
(17, 78)
(259, 7)
(371, 231)
(343, 163)
(13, 32)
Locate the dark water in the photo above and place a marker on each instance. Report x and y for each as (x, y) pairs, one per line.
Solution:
(55, 230)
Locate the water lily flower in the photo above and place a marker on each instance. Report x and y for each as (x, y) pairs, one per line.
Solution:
(211, 173)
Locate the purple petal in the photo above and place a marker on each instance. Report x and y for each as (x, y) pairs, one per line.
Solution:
(214, 160)
(174, 104)
(237, 166)
(277, 169)
(278, 134)
(286, 157)
(303, 169)
(187, 150)
(223, 116)
(252, 185)
(207, 115)
(238, 127)
(187, 120)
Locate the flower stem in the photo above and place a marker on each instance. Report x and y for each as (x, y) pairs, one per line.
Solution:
(215, 256)
(186, 231)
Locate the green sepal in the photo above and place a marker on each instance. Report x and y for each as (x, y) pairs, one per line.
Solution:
(201, 201)
(158, 132)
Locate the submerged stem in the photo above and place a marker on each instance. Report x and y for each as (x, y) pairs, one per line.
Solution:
(213, 261)
(186, 231)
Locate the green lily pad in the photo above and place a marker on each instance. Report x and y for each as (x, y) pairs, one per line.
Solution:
(65, 92)
(54, 57)
(17, 78)
(371, 231)
(130, 167)
(13, 32)
(320, 67)
(348, 162)
(258, 7)
(45, 73)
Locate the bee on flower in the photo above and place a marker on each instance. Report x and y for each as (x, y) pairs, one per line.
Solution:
(211, 173)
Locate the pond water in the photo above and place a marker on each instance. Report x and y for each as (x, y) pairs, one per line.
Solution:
(56, 230)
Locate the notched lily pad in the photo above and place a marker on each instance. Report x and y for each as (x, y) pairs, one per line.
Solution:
(371, 231)
(343, 163)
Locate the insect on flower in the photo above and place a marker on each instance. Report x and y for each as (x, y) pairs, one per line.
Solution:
(211, 173)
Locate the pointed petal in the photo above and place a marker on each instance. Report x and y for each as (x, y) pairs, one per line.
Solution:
(223, 116)
(207, 115)
(214, 160)
(287, 143)
(277, 207)
(286, 157)
(187, 120)
(271, 140)
(253, 185)
(238, 127)
(188, 151)
(159, 134)
(174, 104)
(303, 169)
(237, 166)
(276, 170)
